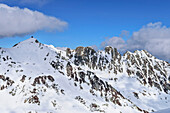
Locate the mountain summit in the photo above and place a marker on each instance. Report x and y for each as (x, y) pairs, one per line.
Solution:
(39, 78)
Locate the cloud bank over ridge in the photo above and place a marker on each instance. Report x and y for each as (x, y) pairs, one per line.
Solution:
(153, 37)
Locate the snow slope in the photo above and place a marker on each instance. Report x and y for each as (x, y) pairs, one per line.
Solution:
(163, 111)
(35, 77)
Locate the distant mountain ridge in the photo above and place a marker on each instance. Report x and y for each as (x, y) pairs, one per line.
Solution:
(39, 78)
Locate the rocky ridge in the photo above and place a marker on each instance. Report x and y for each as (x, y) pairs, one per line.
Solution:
(35, 75)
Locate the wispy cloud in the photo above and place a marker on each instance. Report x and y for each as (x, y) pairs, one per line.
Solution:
(153, 37)
(20, 22)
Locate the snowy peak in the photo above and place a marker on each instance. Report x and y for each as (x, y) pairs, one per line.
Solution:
(27, 42)
(153, 71)
(35, 75)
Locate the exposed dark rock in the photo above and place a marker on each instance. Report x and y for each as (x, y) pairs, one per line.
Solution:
(69, 69)
(68, 53)
(136, 95)
(42, 80)
(23, 78)
(139, 74)
(8, 81)
(50, 78)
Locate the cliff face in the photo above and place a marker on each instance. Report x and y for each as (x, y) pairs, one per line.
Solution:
(140, 64)
(41, 78)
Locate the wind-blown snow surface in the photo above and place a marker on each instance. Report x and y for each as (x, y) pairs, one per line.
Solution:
(163, 111)
(35, 77)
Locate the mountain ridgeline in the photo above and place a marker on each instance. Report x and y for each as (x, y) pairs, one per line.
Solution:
(140, 63)
(35, 75)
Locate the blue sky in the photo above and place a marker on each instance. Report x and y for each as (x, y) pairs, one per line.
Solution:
(92, 22)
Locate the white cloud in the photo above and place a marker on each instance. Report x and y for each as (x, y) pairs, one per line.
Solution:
(20, 22)
(124, 34)
(116, 42)
(154, 37)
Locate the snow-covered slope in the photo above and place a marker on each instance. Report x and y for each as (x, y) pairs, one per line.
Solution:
(40, 78)
(163, 111)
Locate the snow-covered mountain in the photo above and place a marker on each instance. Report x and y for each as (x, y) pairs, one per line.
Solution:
(39, 78)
